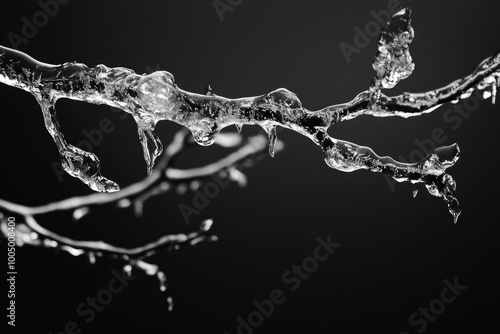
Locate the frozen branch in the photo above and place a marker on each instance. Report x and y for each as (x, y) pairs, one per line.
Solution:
(155, 97)
(163, 179)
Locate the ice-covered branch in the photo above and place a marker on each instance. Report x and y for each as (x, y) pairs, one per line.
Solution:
(163, 179)
(156, 97)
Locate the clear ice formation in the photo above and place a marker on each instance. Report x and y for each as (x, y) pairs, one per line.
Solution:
(154, 97)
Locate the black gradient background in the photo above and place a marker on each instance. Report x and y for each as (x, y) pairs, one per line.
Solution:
(396, 251)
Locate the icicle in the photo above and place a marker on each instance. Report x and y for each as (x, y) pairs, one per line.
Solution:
(239, 127)
(205, 136)
(273, 136)
(151, 144)
(415, 191)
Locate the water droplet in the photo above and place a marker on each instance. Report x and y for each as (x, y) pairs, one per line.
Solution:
(205, 137)
(86, 167)
(127, 269)
(170, 302)
(151, 145)
(91, 256)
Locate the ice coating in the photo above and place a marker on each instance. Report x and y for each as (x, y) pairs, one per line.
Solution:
(156, 97)
(393, 61)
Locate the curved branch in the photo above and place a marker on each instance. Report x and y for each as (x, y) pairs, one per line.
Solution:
(156, 97)
(164, 176)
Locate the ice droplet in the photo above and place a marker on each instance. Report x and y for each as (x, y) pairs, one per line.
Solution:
(86, 167)
(127, 269)
(204, 137)
(273, 137)
(415, 191)
(162, 280)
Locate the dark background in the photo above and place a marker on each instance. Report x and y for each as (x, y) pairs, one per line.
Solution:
(396, 251)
